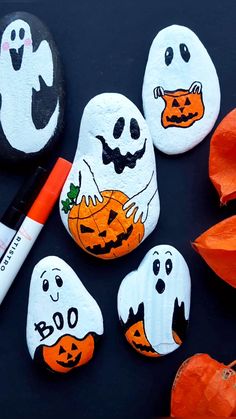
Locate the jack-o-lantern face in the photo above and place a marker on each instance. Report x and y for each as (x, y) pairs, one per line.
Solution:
(68, 353)
(182, 108)
(104, 230)
(135, 335)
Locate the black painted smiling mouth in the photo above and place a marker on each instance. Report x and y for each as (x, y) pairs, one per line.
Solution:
(56, 298)
(99, 250)
(182, 118)
(143, 347)
(114, 156)
(16, 57)
(72, 363)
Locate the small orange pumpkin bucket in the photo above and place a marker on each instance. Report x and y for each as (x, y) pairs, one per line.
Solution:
(204, 387)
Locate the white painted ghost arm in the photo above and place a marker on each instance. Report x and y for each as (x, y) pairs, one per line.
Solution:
(88, 185)
(196, 87)
(140, 202)
(158, 92)
(42, 65)
(128, 296)
(184, 289)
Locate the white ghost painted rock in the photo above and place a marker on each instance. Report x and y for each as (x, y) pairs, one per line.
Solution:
(181, 92)
(154, 302)
(110, 201)
(64, 321)
(32, 98)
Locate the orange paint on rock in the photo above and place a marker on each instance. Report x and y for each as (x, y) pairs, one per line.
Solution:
(103, 230)
(68, 353)
(136, 336)
(203, 387)
(182, 108)
(222, 167)
(217, 246)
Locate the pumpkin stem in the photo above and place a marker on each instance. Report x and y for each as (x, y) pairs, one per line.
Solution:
(232, 364)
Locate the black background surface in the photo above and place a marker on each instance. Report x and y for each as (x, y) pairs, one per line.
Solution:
(104, 47)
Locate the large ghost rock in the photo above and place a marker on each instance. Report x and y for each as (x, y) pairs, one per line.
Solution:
(64, 322)
(154, 302)
(181, 93)
(32, 97)
(110, 201)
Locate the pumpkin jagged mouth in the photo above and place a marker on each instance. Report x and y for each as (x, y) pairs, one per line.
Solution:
(97, 249)
(143, 347)
(182, 118)
(70, 364)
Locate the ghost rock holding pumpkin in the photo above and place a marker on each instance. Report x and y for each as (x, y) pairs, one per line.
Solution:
(110, 201)
(63, 321)
(154, 302)
(181, 92)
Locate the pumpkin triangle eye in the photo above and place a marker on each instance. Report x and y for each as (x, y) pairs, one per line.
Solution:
(187, 101)
(137, 333)
(112, 216)
(61, 350)
(85, 229)
(175, 104)
(73, 347)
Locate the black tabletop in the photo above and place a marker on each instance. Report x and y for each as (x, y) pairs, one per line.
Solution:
(104, 47)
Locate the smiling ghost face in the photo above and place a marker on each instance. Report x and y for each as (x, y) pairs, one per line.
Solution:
(52, 283)
(16, 43)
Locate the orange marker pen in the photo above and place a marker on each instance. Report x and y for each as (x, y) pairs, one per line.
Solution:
(32, 225)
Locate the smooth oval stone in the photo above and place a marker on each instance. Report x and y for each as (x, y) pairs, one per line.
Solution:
(154, 302)
(64, 322)
(32, 97)
(110, 201)
(181, 92)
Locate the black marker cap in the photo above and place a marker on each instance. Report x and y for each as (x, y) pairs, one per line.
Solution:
(24, 198)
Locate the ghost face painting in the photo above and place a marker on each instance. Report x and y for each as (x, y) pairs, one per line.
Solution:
(63, 321)
(181, 93)
(154, 302)
(113, 173)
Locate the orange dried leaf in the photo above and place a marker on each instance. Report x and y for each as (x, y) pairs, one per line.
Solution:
(222, 161)
(217, 246)
(204, 387)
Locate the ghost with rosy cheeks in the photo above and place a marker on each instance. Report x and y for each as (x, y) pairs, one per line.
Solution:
(20, 71)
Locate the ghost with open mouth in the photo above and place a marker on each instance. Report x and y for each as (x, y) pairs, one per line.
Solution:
(110, 201)
(30, 87)
(64, 322)
(181, 92)
(154, 302)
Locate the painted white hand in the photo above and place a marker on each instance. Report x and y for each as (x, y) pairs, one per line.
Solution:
(89, 190)
(196, 87)
(158, 92)
(138, 206)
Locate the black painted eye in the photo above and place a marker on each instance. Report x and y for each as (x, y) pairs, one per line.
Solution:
(168, 266)
(169, 54)
(156, 266)
(85, 229)
(187, 102)
(22, 33)
(118, 128)
(112, 216)
(175, 104)
(134, 129)
(61, 350)
(45, 285)
(58, 281)
(185, 54)
(13, 35)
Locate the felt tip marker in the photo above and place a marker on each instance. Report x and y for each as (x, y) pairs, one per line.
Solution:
(19, 207)
(32, 225)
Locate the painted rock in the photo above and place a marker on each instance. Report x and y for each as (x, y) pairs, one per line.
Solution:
(181, 92)
(154, 302)
(32, 99)
(64, 322)
(110, 201)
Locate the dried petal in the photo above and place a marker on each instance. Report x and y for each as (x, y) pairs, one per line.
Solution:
(222, 167)
(217, 246)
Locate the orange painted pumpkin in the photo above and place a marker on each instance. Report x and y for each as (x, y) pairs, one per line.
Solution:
(217, 246)
(135, 335)
(204, 387)
(104, 230)
(182, 108)
(222, 167)
(68, 353)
